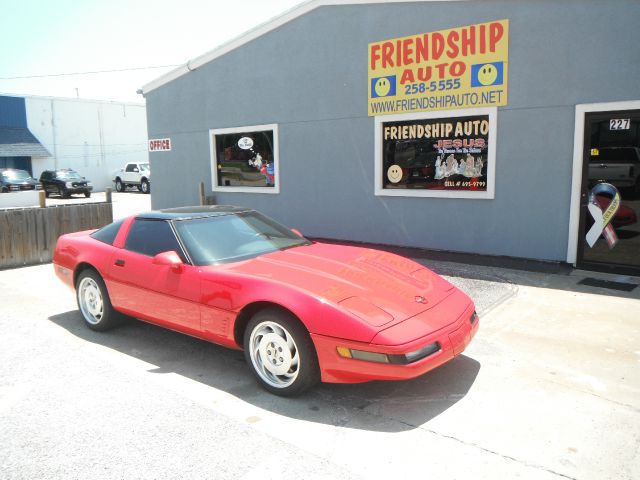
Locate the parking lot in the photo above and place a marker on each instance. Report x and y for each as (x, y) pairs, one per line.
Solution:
(549, 388)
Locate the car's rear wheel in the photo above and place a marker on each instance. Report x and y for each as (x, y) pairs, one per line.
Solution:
(94, 303)
(280, 352)
(87, 194)
(144, 186)
(119, 185)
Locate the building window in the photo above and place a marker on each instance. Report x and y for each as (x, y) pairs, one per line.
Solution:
(447, 154)
(245, 159)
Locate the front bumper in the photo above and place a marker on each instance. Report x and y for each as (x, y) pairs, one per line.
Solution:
(452, 339)
(80, 189)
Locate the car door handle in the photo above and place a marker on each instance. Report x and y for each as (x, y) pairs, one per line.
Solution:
(119, 263)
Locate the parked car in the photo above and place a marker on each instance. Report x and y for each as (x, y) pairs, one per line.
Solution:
(65, 183)
(136, 174)
(302, 311)
(14, 180)
(619, 166)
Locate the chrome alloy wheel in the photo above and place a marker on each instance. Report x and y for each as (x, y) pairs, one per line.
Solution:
(90, 300)
(274, 354)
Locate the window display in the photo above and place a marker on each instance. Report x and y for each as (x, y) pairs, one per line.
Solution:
(245, 159)
(433, 154)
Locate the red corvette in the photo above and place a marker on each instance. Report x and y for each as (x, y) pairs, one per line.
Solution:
(302, 311)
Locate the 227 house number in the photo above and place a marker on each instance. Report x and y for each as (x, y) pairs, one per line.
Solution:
(619, 124)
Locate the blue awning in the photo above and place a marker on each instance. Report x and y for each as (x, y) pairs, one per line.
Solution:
(20, 142)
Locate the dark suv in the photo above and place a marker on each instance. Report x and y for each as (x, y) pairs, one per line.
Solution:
(65, 183)
(14, 180)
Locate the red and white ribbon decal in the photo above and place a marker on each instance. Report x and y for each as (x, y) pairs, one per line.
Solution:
(602, 216)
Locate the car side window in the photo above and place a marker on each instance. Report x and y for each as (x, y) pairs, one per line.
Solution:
(108, 233)
(130, 167)
(150, 237)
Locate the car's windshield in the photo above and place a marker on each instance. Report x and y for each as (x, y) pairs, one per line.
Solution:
(144, 166)
(16, 175)
(68, 175)
(234, 237)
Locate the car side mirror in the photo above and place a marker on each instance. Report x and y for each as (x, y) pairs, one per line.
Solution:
(297, 232)
(170, 259)
(136, 170)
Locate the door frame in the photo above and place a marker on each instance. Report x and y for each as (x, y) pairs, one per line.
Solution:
(578, 164)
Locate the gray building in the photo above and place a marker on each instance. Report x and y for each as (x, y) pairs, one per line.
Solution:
(469, 126)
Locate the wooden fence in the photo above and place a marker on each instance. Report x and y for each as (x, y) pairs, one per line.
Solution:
(28, 235)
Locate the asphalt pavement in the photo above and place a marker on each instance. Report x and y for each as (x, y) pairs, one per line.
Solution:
(549, 388)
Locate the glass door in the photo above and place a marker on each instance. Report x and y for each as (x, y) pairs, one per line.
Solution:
(609, 238)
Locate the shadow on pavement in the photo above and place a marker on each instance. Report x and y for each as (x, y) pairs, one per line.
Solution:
(375, 406)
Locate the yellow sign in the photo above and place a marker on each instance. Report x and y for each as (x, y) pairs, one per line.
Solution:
(462, 67)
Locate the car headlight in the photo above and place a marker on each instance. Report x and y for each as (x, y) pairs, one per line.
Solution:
(89, 184)
(69, 184)
(401, 359)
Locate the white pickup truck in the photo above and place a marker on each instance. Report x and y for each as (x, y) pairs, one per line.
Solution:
(619, 166)
(135, 174)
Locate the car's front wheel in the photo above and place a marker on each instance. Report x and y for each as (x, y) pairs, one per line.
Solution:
(144, 186)
(280, 352)
(119, 185)
(94, 303)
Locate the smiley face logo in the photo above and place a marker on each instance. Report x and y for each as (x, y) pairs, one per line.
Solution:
(382, 87)
(487, 74)
(394, 173)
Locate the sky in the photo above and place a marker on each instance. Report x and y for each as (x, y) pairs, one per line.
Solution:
(51, 37)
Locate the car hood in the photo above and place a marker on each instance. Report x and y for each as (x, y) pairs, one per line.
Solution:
(377, 286)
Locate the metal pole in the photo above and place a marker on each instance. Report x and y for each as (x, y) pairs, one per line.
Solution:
(201, 194)
(108, 195)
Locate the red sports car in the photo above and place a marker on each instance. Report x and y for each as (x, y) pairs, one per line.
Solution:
(302, 311)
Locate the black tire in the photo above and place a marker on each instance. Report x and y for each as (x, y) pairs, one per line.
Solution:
(46, 193)
(64, 193)
(87, 194)
(90, 293)
(279, 351)
(144, 186)
(119, 186)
